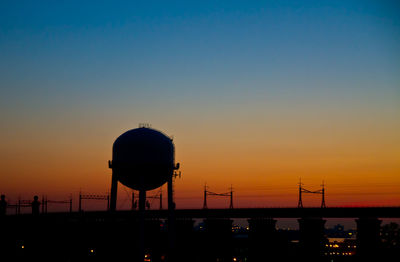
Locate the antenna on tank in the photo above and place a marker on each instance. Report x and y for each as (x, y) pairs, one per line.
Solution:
(144, 125)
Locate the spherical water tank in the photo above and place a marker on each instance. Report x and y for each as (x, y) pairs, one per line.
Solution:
(143, 158)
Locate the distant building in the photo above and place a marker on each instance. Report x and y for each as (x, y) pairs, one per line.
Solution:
(341, 247)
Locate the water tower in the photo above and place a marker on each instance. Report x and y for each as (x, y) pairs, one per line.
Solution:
(143, 159)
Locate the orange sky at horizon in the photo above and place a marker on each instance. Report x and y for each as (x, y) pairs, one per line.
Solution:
(263, 163)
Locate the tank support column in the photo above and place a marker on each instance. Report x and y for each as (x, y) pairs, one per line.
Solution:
(142, 210)
(171, 220)
(114, 188)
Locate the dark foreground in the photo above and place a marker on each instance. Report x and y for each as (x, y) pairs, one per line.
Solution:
(102, 236)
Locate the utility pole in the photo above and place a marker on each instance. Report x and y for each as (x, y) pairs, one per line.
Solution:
(205, 197)
(231, 204)
(303, 190)
(323, 195)
(161, 200)
(300, 203)
(70, 204)
(80, 202)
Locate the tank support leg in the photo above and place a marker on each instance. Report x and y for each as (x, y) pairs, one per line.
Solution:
(114, 189)
(171, 220)
(142, 210)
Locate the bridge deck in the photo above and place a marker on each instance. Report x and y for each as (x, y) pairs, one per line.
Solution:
(332, 212)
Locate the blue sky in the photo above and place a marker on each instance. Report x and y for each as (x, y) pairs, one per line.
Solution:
(94, 54)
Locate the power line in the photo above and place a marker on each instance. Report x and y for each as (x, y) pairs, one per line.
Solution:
(209, 193)
(303, 190)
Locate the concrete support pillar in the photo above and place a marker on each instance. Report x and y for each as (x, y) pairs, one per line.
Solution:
(368, 237)
(312, 239)
(129, 246)
(153, 242)
(263, 239)
(185, 240)
(218, 239)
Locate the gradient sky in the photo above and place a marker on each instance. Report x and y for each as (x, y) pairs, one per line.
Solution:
(256, 94)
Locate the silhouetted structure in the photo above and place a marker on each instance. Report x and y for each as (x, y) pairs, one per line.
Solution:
(390, 234)
(157, 196)
(187, 241)
(35, 206)
(209, 193)
(133, 202)
(217, 240)
(144, 159)
(46, 202)
(368, 237)
(92, 197)
(312, 240)
(3, 205)
(303, 190)
(264, 240)
(107, 236)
